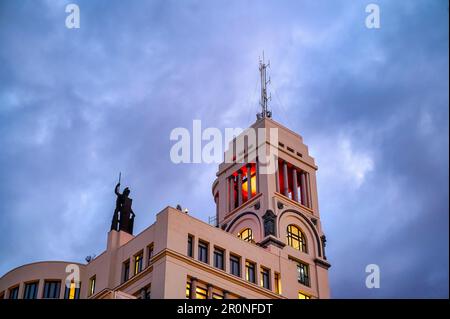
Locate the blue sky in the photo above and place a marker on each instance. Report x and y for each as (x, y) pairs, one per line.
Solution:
(79, 105)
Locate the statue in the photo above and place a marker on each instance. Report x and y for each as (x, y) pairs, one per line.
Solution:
(123, 217)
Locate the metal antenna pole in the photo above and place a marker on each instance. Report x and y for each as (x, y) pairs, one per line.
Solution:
(264, 99)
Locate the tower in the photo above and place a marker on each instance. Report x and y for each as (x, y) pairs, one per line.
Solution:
(276, 208)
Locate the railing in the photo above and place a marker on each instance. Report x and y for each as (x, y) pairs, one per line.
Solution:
(212, 220)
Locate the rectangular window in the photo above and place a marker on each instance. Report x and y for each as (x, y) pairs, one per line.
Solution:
(149, 253)
(190, 246)
(203, 251)
(277, 283)
(303, 296)
(31, 290)
(265, 278)
(52, 289)
(303, 274)
(218, 258)
(235, 265)
(188, 290)
(125, 270)
(72, 292)
(201, 293)
(138, 262)
(250, 271)
(91, 286)
(14, 293)
(145, 293)
(217, 296)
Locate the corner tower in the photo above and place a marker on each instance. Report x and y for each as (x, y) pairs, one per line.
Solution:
(279, 209)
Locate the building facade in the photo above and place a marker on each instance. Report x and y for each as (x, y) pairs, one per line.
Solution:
(266, 240)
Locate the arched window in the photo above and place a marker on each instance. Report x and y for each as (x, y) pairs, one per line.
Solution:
(246, 234)
(296, 238)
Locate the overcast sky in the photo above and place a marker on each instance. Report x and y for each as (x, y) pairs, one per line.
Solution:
(79, 105)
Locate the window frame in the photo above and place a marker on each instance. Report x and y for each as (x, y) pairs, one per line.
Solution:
(219, 252)
(235, 260)
(297, 237)
(203, 251)
(49, 286)
(26, 292)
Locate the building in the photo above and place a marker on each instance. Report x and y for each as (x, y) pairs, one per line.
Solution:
(266, 240)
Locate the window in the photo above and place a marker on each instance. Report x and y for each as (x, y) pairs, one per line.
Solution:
(217, 296)
(125, 270)
(277, 283)
(303, 273)
(138, 262)
(218, 258)
(149, 253)
(145, 293)
(246, 235)
(250, 271)
(72, 292)
(303, 296)
(265, 278)
(235, 265)
(296, 238)
(188, 290)
(190, 246)
(31, 290)
(201, 293)
(91, 286)
(52, 289)
(14, 293)
(203, 251)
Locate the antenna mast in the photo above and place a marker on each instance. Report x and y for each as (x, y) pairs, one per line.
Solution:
(264, 99)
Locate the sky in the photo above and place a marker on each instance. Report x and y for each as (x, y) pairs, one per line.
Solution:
(78, 106)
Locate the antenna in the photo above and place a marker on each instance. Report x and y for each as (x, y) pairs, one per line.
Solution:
(264, 81)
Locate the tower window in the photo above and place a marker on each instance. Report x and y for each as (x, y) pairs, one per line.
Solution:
(31, 290)
(149, 253)
(52, 289)
(246, 235)
(303, 274)
(296, 239)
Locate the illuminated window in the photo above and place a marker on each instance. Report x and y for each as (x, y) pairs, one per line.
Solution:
(52, 289)
(190, 247)
(201, 293)
(250, 271)
(14, 293)
(217, 296)
(303, 273)
(218, 258)
(277, 283)
(188, 290)
(72, 292)
(235, 265)
(125, 270)
(296, 238)
(91, 286)
(138, 263)
(31, 289)
(303, 296)
(246, 235)
(265, 278)
(203, 251)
